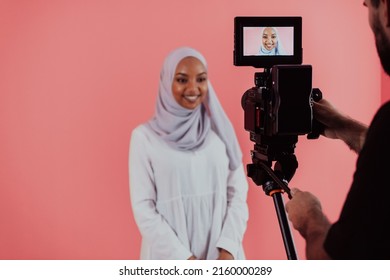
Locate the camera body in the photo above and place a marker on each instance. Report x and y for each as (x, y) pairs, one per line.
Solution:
(281, 102)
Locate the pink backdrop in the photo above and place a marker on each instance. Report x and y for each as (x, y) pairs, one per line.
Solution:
(385, 87)
(76, 76)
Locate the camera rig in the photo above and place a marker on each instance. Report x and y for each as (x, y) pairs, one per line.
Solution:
(277, 109)
(274, 125)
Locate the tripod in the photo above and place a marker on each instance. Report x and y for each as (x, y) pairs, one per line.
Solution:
(274, 184)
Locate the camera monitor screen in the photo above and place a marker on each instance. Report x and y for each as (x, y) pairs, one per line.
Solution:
(262, 42)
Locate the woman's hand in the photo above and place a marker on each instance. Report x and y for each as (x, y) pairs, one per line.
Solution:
(225, 255)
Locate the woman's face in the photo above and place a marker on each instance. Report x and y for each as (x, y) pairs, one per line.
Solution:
(270, 39)
(189, 86)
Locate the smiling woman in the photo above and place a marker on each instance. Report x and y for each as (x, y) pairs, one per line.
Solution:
(187, 183)
(189, 86)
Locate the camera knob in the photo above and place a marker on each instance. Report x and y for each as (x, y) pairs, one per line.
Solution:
(316, 94)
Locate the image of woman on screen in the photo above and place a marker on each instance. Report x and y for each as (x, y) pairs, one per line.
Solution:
(270, 42)
(188, 187)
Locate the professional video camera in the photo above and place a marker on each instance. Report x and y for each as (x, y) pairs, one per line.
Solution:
(279, 107)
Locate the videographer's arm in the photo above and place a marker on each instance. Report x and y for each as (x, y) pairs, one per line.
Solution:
(340, 126)
(305, 213)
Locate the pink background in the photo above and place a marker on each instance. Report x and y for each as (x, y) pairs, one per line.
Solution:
(253, 39)
(76, 76)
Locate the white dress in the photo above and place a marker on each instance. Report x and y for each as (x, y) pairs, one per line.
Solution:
(186, 202)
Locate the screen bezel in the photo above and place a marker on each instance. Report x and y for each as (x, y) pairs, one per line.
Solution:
(259, 61)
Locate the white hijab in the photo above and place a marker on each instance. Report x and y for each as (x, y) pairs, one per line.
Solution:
(186, 129)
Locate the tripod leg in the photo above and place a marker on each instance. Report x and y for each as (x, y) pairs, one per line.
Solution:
(284, 226)
(273, 186)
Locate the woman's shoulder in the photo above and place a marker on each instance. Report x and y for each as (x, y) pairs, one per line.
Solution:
(141, 128)
(142, 132)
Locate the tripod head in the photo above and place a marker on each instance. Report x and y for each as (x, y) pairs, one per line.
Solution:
(260, 171)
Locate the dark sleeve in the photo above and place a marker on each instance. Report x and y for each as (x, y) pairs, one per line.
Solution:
(362, 231)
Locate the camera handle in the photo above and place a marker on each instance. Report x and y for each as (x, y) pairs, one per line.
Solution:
(262, 174)
(318, 128)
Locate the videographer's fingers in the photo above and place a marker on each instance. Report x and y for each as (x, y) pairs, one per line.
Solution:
(322, 110)
(330, 117)
(294, 191)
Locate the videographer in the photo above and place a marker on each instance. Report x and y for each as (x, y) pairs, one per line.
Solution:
(361, 231)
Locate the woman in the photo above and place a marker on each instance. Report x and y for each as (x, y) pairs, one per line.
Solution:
(187, 183)
(270, 43)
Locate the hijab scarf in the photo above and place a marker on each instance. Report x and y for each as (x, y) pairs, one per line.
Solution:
(186, 129)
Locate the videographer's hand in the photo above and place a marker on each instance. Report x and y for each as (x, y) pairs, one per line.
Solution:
(303, 209)
(330, 117)
(340, 126)
(305, 213)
